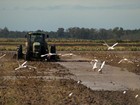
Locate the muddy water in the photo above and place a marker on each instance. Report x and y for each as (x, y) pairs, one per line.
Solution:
(112, 78)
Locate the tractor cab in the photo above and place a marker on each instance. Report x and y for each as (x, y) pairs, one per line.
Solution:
(36, 37)
(35, 46)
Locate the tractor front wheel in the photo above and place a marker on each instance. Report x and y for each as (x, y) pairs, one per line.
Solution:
(53, 50)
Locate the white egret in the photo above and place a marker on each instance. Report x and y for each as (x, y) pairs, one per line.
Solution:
(94, 66)
(136, 96)
(69, 54)
(124, 92)
(48, 54)
(102, 65)
(124, 60)
(24, 65)
(70, 94)
(110, 47)
(79, 82)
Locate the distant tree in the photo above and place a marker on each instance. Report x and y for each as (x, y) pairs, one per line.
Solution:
(73, 32)
(117, 33)
(5, 31)
(103, 34)
(52, 34)
(60, 32)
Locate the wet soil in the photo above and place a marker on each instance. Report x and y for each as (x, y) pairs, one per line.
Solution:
(53, 82)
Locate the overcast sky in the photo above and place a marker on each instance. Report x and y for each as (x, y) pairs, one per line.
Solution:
(49, 15)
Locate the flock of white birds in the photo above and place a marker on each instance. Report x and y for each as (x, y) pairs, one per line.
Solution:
(95, 61)
(99, 69)
(92, 62)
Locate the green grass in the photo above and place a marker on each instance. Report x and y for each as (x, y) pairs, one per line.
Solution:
(73, 44)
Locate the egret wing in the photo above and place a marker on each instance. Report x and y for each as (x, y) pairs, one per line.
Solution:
(114, 44)
(2, 56)
(102, 65)
(24, 63)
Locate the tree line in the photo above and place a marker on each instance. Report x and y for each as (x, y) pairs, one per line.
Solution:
(117, 33)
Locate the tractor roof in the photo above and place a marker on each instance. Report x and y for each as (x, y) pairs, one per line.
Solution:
(36, 33)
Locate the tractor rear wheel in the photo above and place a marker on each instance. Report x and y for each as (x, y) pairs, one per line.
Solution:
(19, 52)
(53, 49)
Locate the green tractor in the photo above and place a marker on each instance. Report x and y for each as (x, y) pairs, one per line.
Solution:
(36, 46)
